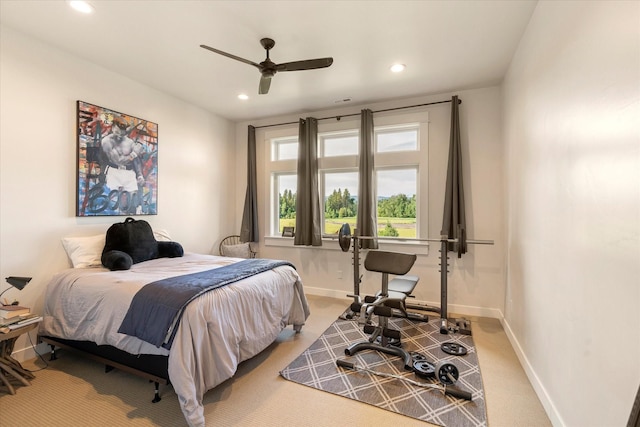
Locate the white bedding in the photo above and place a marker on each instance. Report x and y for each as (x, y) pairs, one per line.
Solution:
(231, 324)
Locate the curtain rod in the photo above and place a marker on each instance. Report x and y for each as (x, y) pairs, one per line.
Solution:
(357, 114)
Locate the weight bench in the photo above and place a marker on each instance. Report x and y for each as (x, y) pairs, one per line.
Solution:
(403, 284)
(400, 288)
(381, 337)
(406, 284)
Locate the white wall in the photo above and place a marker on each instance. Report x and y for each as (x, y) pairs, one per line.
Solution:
(39, 86)
(476, 282)
(572, 119)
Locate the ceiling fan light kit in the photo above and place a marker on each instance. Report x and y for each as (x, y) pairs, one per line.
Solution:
(268, 68)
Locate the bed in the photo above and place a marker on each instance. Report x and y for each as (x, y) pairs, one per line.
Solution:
(85, 307)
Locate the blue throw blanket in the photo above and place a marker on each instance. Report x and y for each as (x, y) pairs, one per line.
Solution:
(158, 306)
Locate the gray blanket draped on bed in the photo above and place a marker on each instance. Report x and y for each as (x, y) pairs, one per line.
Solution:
(156, 308)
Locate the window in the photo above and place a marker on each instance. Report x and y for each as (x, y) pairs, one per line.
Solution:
(285, 187)
(340, 200)
(398, 161)
(397, 202)
(338, 144)
(338, 168)
(399, 139)
(284, 149)
(400, 150)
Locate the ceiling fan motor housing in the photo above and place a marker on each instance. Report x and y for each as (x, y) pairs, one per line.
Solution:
(268, 68)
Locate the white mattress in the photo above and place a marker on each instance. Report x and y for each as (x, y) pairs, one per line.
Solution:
(232, 323)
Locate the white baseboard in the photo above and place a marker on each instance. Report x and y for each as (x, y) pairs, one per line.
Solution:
(538, 387)
(458, 309)
(30, 352)
(469, 310)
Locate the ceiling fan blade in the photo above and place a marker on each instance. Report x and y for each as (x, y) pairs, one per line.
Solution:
(265, 84)
(309, 64)
(228, 55)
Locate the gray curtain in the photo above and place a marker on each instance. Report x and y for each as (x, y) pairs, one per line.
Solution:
(308, 230)
(366, 223)
(454, 221)
(249, 228)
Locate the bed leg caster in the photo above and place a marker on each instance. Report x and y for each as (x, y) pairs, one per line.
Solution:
(156, 395)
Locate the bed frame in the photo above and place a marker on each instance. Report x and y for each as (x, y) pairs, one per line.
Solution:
(152, 367)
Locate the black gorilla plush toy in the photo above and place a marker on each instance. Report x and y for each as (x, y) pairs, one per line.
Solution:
(131, 242)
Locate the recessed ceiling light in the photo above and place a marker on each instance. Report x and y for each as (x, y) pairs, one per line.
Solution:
(81, 6)
(243, 96)
(396, 68)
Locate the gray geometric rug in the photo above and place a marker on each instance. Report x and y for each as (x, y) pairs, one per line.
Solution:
(316, 367)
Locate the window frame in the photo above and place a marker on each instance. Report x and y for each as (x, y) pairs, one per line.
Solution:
(275, 168)
(323, 136)
(274, 225)
(277, 143)
(384, 122)
(321, 180)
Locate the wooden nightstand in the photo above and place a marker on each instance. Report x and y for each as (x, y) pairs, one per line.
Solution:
(10, 368)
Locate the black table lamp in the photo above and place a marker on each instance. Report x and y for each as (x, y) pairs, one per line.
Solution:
(16, 282)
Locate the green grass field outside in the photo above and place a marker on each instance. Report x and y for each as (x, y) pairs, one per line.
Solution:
(406, 226)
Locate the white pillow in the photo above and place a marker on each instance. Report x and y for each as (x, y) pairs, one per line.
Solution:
(161, 235)
(84, 251)
(237, 251)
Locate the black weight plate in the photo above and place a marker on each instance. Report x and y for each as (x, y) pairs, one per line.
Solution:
(454, 348)
(447, 373)
(424, 369)
(344, 237)
(417, 356)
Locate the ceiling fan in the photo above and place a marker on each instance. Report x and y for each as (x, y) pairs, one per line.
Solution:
(268, 68)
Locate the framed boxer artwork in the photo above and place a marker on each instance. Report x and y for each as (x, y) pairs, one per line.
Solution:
(117, 163)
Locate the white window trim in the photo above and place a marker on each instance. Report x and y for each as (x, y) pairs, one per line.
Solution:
(273, 168)
(385, 160)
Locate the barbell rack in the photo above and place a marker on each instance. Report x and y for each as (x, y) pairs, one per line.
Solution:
(444, 270)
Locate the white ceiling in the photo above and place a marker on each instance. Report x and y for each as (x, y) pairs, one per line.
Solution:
(446, 45)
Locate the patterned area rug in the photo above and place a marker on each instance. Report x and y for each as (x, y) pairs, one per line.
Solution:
(316, 367)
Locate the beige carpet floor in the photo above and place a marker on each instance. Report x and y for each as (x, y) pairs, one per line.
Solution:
(73, 391)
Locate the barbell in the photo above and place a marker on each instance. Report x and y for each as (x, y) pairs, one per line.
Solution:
(345, 237)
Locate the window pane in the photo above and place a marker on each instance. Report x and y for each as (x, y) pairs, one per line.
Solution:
(340, 200)
(397, 202)
(284, 149)
(286, 187)
(396, 140)
(339, 145)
